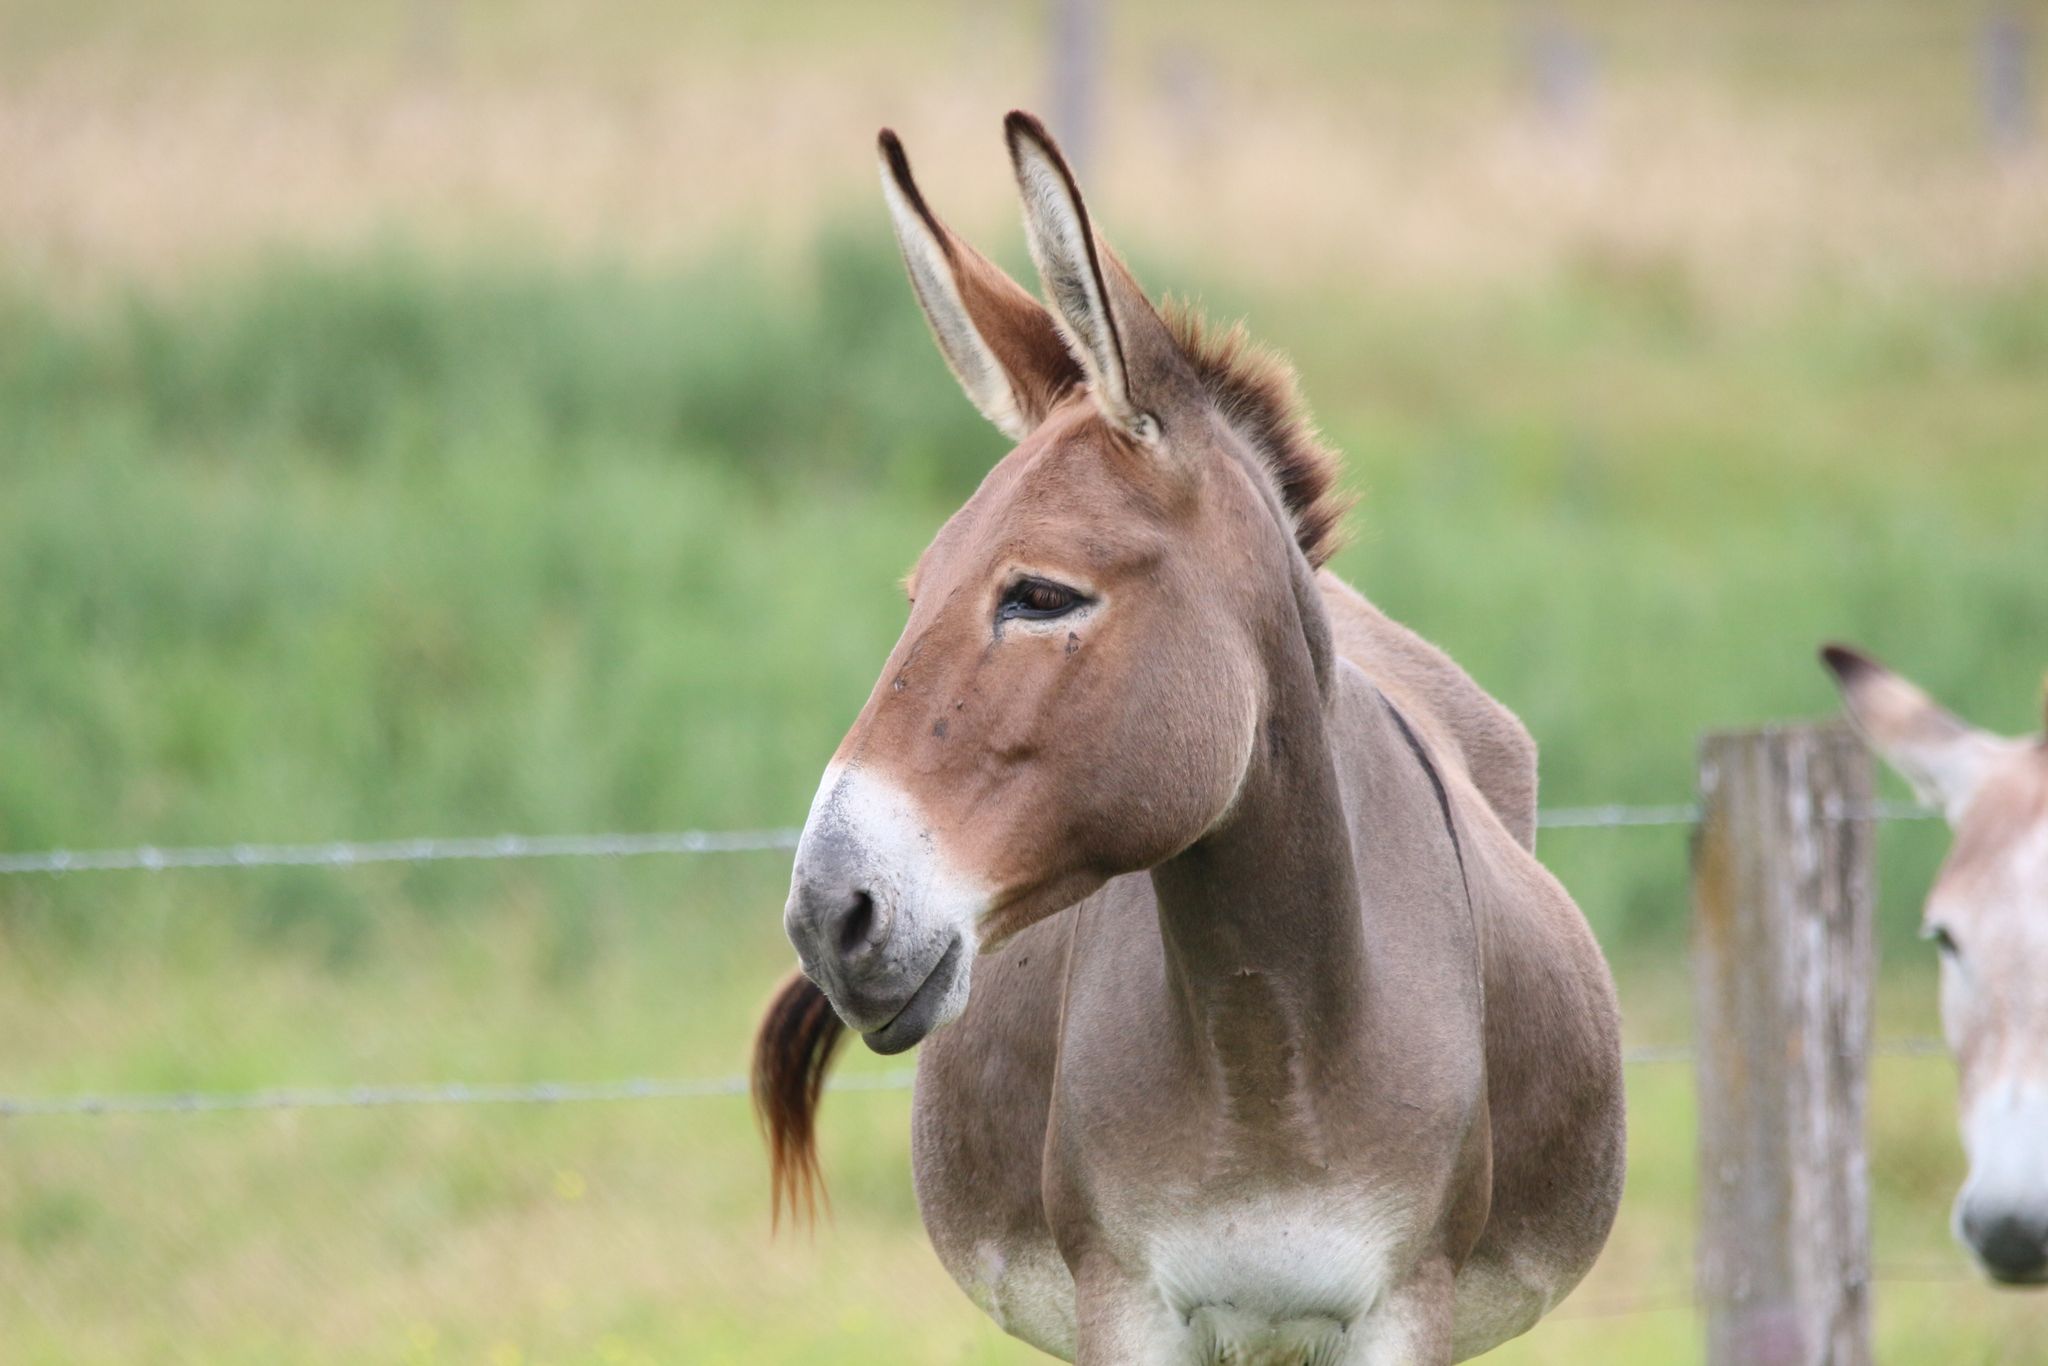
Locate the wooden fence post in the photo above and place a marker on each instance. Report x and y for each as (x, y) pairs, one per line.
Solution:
(2004, 82)
(1783, 962)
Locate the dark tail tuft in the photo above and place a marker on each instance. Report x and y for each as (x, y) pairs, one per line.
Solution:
(792, 1052)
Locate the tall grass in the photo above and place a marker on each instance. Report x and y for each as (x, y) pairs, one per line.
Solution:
(369, 546)
(389, 361)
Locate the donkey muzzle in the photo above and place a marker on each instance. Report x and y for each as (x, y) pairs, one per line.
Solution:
(879, 923)
(2010, 1241)
(2002, 1213)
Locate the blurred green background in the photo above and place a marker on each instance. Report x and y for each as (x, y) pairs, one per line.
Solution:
(447, 418)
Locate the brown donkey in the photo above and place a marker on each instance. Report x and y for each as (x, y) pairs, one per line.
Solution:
(1294, 1053)
(1988, 913)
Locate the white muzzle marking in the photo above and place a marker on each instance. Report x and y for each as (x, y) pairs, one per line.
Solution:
(867, 836)
(2003, 1207)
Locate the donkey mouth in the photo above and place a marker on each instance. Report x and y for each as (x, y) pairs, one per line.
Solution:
(920, 1014)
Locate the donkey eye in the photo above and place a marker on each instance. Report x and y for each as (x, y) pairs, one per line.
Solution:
(1943, 940)
(1037, 600)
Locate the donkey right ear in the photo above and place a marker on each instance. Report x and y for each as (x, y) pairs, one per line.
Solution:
(1943, 758)
(1001, 344)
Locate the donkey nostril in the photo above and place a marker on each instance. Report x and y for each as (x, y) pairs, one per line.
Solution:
(857, 925)
(2011, 1248)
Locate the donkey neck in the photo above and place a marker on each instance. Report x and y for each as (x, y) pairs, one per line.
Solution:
(1265, 951)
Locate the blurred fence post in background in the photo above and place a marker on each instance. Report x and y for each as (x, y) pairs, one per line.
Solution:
(1559, 62)
(1191, 97)
(2003, 83)
(430, 36)
(1783, 961)
(1078, 34)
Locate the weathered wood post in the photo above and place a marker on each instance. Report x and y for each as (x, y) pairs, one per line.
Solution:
(2004, 83)
(430, 37)
(1561, 70)
(1783, 962)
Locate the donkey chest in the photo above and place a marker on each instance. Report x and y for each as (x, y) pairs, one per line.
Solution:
(1262, 1241)
(1285, 1262)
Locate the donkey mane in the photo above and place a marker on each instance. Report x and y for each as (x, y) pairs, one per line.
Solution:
(1255, 389)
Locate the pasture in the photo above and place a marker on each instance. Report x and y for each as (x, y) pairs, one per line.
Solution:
(359, 513)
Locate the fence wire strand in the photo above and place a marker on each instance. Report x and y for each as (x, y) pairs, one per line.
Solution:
(344, 854)
(149, 858)
(388, 1096)
(1676, 1298)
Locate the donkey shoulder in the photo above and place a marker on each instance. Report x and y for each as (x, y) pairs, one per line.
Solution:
(1462, 722)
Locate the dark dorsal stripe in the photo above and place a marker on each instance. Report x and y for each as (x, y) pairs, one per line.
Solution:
(1436, 783)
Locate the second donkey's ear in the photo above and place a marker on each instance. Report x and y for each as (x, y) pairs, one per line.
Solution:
(1000, 342)
(1943, 758)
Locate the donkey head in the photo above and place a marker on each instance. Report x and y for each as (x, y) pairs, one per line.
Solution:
(1988, 912)
(1093, 639)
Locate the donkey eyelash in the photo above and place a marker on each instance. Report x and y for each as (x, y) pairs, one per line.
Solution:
(1943, 940)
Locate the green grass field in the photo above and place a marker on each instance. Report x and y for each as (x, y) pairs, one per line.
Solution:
(517, 470)
(371, 547)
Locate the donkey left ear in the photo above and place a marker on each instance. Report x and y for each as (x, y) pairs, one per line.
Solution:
(1132, 362)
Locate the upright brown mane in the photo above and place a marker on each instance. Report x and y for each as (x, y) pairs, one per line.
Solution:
(1254, 388)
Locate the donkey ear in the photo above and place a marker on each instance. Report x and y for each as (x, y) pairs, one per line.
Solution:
(1944, 759)
(1000, 342)
(1130, 358)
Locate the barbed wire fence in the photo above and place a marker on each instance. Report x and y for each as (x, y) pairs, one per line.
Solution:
(150, 858)
(343, 854)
